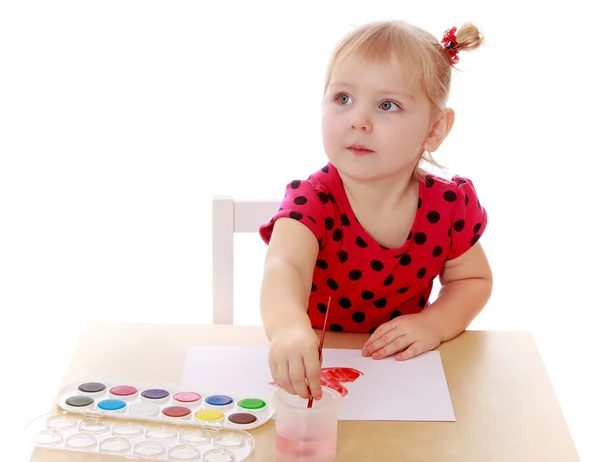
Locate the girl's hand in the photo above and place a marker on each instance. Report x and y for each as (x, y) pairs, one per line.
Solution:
(294, 361)
(405, 336)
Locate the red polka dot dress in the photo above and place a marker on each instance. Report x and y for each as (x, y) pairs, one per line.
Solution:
(370, 284)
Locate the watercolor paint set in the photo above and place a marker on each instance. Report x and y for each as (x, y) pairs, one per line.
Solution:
(152, 421)
(167, 404)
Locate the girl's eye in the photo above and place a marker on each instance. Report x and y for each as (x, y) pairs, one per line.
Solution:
(389, 106)
(343, 99)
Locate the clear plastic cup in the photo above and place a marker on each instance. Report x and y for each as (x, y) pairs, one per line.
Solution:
(305, 434)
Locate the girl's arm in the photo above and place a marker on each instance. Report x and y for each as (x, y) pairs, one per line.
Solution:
(288, 270)
(466, 288)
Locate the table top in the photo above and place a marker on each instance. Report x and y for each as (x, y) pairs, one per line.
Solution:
(504, 404)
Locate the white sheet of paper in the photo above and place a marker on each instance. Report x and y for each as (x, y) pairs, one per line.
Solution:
(413, 390)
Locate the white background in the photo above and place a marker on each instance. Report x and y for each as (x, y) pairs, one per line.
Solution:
(120, 120)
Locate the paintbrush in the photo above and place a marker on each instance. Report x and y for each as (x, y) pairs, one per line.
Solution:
(310, 398)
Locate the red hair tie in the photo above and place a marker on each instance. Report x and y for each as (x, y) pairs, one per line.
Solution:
(449, 42)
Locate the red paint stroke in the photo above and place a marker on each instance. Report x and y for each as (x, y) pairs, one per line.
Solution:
(333, 377)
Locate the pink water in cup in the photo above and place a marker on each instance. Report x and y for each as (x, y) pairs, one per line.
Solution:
(305, 434)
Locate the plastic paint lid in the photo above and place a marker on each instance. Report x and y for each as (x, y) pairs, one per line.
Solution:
(209, 415)
(123, 390)
(184, 452)
(218, 455)
(252, 403)
(92, 387)
(111, 405)
(187, 397)
(81, 441)
(79, 401)
(176, 411)
(143, 409)
(155, 393)
(94, 427)
(149, 449)
(115, 445)
(242, 418)
(161, 433)
(219, 400)
(128, 430)
(229, 441)
(195, 437)
(61, 423)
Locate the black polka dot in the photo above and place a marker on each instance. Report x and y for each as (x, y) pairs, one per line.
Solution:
(358, 316)
(367, 295)
(329, 223)
(345, 219)
(420, 203)
(336, 328)
(395, 314)
(475, 239)
(421, 273)
(476, 228)
(449, 196)
(314, 287)
(322, 308)
(422, 302)
(383, 247)
(320, 243)
(312, 219)
(420, 238)
(343, 256)
(345, 302)
(376, 265)
(388, 281)
(437, 251)
(381, 303)
(337, 235)
(325, 169)
(354, 275)
(361, 242)
(295, 184)
(331, 198)
(466, 200)
(372, 330)
(322, 264)
(405, 259)
(296, 215)
(433, 217)
(332, 284)
(428, 181)
(459, 225)
(402, 290)
(323, 197)
(300, 200)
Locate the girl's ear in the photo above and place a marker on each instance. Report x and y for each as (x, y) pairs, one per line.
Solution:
(440, 128)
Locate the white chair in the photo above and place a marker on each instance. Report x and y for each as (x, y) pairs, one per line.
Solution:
(232, 216)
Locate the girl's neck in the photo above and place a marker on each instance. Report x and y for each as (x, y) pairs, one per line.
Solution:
(382, 194)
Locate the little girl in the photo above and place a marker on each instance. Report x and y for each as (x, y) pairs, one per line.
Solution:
(371, 230)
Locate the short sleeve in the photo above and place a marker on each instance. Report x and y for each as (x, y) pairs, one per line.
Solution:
(309, 203)
(469, 219)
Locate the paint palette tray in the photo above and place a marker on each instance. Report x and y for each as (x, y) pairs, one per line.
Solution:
(166, 403)
(138, 440)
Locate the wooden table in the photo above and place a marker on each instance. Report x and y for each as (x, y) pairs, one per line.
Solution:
(505, 407)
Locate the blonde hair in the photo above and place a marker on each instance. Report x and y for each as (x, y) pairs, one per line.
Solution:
(424, 58)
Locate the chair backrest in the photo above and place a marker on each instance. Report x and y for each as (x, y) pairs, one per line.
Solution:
(232, 216)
